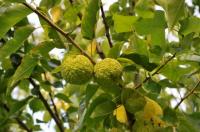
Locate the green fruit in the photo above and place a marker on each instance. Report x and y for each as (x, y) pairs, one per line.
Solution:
(108, 72)
(77, 69)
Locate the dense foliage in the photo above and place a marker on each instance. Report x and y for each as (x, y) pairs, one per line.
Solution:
(76, 65)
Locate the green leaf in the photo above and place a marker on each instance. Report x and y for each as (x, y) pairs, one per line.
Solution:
(114, 52)
(53, 34)
(144, 8)
(24, 84)
(126, 93)
(6, 63)
(194, 118)
(174, 9)
(153, 26)
(14, 44)
(49, 3)
(124, 23)
(185, 125)
(46, 86)
(141, 60)
(90, 19)
(19, 105)
(137, 45)
(190, 25)
(133, 101)
(100, 99)
(153, 87)
(36, 105)
(71, 15)
(104, 109)
(43, 48)
(90, 91)
(15, 1)
(62, 97)
(148, 25)
(180, 68)
(11, 16)
(23, 71)
(170, 115)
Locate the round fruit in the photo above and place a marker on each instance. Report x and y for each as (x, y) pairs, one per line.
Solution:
(108, 72)
(77, 69)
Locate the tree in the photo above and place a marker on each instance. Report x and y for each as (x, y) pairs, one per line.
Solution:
(133, 67)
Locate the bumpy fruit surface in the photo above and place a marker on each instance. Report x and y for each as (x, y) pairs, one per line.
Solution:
(77, 69)
(108, 72)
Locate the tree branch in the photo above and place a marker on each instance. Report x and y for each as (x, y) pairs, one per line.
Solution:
(163, 65)
(66, 35)
(106, 25)
(187, 95)
(156, 72)
(41, 97)
(54, 106)
(22, 124)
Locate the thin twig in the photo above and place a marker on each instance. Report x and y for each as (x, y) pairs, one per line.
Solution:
(106, 25)
(54, 106)
(66, 35)
(163, 65)
(155, 72)
(187, 95)
(21, 123)
(41, 97)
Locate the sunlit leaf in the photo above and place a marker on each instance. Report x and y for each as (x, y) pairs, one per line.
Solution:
(124, 23)
(175, 10)
(23, 71)
(190, 25)
(90, 19)
(144, 8)
(14, 44)
(120, 114)
(11, 16)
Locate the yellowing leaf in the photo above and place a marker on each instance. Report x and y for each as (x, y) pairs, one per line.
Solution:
(121, 115)
(58, 105)
(65, 106)
(152, 109)
(91, 49)
(56, 13)
(114, 130)
(158, 122)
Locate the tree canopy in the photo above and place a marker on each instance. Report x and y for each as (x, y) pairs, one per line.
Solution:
(81, 65)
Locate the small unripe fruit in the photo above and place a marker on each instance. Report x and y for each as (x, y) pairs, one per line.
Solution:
(77, 69)
(108, 72)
